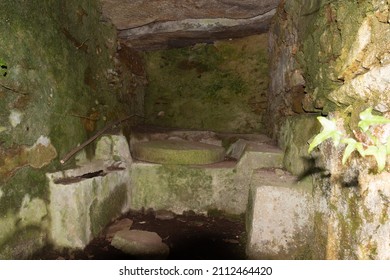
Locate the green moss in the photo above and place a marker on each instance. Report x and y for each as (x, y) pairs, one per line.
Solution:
(103, 211)
(26, 181)
(384, 217)
(328, 33)
(219, 87)
(349, 225)
(178, 152)
(55, 79)
(23, 243)
(176, 187)
(189, 185)
(320, 236)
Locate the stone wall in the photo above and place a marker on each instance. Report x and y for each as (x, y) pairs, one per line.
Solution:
(332, 58)
(328, 55)
(220, 86)
(63, 82)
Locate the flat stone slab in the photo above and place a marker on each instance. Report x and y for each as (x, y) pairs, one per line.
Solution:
(123, 224)
(140, 243)
(178, 152)
(279, 216)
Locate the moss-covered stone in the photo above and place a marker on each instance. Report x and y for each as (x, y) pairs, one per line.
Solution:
(220, 86)
(102, 212)
(171, 187)
(23, 243)
(61, 86)
(294, 137)
(178, 152)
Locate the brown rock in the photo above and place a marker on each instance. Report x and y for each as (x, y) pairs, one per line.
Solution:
(143, 244)
(155, 24)
(164, 215)
(124, 224)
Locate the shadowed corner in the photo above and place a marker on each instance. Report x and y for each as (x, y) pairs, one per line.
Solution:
(312, 169)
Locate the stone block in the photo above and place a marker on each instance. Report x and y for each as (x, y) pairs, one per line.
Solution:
(81, 207)
(223, 186)
(279, 216)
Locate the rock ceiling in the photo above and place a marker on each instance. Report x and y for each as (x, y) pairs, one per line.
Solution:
(154, 24)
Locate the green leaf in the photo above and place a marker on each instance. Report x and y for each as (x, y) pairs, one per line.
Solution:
(379, 152)
(329, 131)
(352, 145)
(368, 119)
(3, 68)
(388, 146)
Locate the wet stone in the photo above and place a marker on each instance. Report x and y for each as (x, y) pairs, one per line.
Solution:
(123, 224)
(142, 244)
(164, 215)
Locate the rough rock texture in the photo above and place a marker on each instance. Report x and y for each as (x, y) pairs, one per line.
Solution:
(279, 216)
(327, 56)
(332, 57)
(220, 87)
(223, 186)
(84, 200)
(60, 87)
(157, 24)
(294, 137)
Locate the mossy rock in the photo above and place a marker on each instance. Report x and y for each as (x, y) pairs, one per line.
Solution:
(178, 152)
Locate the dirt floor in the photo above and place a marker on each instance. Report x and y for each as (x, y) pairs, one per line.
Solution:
(189, 237)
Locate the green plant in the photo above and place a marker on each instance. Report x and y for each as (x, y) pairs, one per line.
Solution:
(3, 68)
(367, 145)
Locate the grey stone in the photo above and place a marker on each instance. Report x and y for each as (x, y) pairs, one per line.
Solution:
(140, 243)
(279, 217)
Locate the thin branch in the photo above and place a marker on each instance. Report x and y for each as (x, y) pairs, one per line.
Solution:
(13, 90)
(75, 150)
(83, 117)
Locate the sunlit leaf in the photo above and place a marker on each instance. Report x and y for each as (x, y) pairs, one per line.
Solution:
(379, 153)
(352, 145)
(329, 131)
(388, 146)
(367, 119)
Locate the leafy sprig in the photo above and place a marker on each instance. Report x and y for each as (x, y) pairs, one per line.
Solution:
(378, 150)
(3, 68)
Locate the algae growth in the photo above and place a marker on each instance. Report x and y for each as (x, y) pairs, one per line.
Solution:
(220, 86)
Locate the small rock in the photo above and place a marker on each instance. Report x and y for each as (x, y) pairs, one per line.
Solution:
(123, 224)
(144, 244)
(279, 172)
(231, 241)
(196, 224)
(164, 215)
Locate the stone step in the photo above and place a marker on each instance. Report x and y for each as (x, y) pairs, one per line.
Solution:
(223, 186)
(177, 152)
(279, 216)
